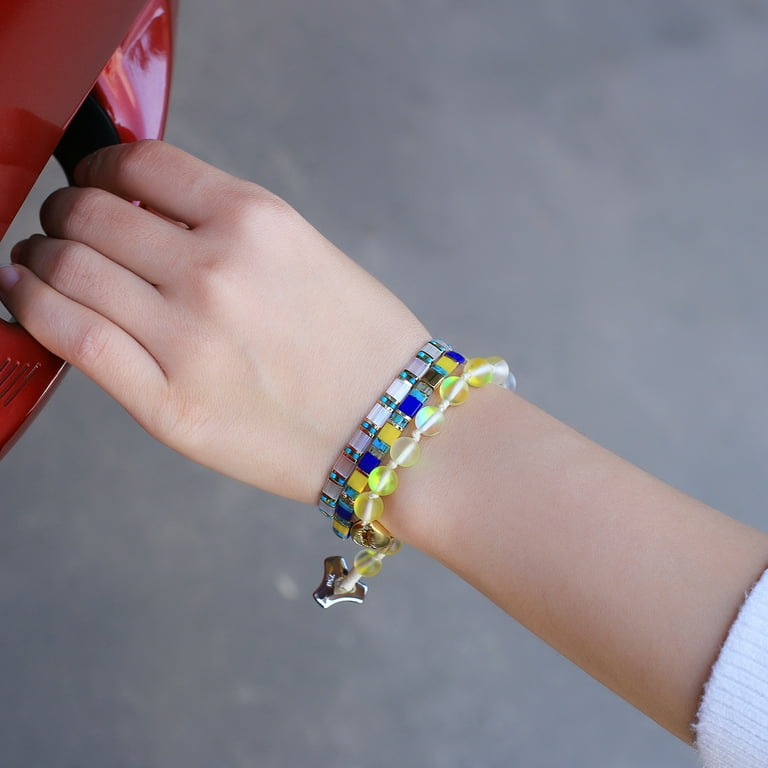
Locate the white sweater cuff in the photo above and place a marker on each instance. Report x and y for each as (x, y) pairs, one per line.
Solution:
(732, 727)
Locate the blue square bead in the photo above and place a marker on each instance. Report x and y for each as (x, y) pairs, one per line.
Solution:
(410, 406)
(460, 359)
(368, 463)
(343, 513)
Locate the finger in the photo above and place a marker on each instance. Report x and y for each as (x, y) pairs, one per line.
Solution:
(87, 340)
(140, 241)
(166, 179)
(85, 276)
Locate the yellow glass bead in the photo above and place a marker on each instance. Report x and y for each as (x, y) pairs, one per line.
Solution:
(478, 372)
(383, 480)
(454, 390)
(429, 420)
(368, 562)
(500, 370)
(368, 507)
(394, 547)
(405, 451)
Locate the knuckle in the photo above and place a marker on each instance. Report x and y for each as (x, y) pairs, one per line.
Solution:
(255, 209)
(128, 159)
(66, 270)
(72, 210)
(89, 345)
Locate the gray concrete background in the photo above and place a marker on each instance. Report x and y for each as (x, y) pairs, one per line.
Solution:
(580, 187)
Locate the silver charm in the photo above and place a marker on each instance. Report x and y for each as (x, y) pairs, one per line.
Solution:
(328, 594)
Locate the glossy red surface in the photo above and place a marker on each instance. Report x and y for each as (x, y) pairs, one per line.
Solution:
(52, 54)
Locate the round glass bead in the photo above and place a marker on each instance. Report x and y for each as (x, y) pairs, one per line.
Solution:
(454, 390)
(368, 507)
(500, 370)
(368, 562)
(478, 372)
(429, 420)
(394, 547)
(371, 536)
(405, 451)
(510, 383)
(383, 480)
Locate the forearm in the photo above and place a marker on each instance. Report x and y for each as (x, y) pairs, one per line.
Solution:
(632, 580)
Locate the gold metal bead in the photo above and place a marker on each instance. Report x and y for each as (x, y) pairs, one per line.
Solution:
(372, 536)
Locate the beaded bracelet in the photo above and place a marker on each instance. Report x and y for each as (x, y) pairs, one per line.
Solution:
(341, 584)
(369, 464)
(364, 434)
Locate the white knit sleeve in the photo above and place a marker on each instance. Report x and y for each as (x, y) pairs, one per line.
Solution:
(732, 727)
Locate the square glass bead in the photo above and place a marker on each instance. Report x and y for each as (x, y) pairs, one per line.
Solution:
(417, 367)
(379, 448)
(344, 466)
(398, 389)
(400, 420)
(388, 434)
(433, 377)
(343, 514)
(341, 529)
(410, 405)
(327, 509)
(360, 442)
(368, 462)
(357, 481)
(332, 490)
(423, 388)
(379, 415)
(432, 350)
(460, 359)
(446, 363)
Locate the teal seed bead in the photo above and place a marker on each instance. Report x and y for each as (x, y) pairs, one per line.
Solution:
(429, 420)
(368, 562)
(383, 480)
(454, 390)
(368, 507)
(405, 451)
(478, 372)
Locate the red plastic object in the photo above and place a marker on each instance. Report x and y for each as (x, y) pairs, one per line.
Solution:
(52, 55)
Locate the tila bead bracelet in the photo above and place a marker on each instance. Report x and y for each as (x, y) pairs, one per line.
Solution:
(451, 376)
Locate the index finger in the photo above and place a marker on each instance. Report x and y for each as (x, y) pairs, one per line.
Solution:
(166, 179)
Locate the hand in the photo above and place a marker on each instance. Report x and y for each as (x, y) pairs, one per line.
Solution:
(225, 324)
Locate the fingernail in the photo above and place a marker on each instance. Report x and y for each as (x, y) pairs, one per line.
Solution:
(9, 276)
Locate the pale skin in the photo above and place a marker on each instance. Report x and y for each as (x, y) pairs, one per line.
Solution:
(204, 314)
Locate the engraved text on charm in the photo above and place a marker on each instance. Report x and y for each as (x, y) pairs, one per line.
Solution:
(327, 594)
